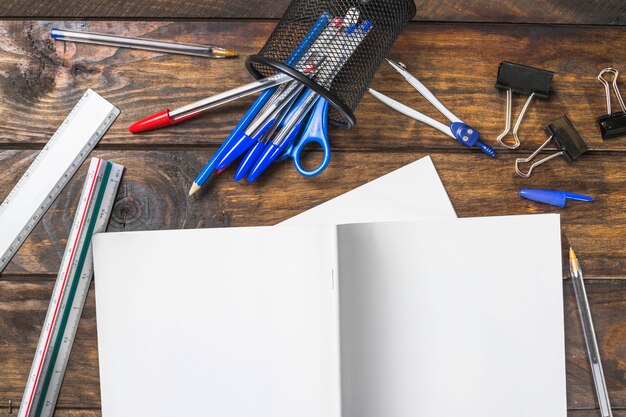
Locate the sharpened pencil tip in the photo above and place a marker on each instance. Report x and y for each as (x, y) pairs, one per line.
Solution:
(230, 54)
(572, 254)
(194, 189)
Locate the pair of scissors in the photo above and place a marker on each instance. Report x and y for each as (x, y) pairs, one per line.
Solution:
(316, 131)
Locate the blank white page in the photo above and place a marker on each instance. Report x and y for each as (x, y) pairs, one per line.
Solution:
(233, 322)
(409, 193)
(452, 318)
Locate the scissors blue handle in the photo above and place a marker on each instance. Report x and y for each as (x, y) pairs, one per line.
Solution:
(316, 131)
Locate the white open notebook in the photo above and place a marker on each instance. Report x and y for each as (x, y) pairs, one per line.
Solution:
(439, 317)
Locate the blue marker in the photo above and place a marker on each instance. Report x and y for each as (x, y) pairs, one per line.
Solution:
(304, 45)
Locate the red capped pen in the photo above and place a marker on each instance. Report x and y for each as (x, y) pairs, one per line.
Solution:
(171, 117)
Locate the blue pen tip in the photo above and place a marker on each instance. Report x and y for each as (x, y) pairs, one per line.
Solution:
(54, 33)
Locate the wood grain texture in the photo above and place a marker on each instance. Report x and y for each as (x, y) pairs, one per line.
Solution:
(153, 195)
(23, 306)
(41, 80)
(607, 12)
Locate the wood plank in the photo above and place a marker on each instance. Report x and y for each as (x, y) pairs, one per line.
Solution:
(23, 305)
(42, 80)
(546, 11)
(153, 195)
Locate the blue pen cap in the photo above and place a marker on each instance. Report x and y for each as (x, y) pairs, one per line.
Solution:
(235, 149)
(241, 145)
(552, 197)
(270, 153)
(249, 160)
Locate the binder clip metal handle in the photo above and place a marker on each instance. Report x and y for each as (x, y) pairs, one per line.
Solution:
(568, 142)
(612, 125)
(521, 79)
(531, 157)
(607, 88)
(518, 123)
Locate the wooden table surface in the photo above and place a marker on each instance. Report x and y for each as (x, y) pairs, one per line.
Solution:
(454, 47)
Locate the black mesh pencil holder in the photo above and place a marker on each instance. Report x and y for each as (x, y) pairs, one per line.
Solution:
(346, 64)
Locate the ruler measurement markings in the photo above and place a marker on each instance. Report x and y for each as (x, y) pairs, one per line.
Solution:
(48, 174)
(100, 219)
(85, 242)
(60, 159)
(57, 300)
(92, 216)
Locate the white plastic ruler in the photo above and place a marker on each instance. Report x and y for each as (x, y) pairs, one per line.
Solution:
(70, 290)
(51, 170)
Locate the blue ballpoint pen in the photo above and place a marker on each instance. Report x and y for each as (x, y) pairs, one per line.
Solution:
(302, 48)
(326, 38)
(293, 124)
(297, 114)
(257, 149)
(286, 136)
(313, 58)
(256, 130)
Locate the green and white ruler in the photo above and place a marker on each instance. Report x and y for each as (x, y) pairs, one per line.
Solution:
(51, 170)
(70, 290)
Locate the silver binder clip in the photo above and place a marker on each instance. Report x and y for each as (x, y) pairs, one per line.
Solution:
(531, 157)
(568, 142)
(612, 124)
(607, 88)
(521, 79)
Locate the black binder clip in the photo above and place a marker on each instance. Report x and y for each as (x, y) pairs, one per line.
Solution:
(521, 79)
(568, 142)
(612, 125)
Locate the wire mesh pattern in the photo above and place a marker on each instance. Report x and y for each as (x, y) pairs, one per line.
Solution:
(347, 66)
